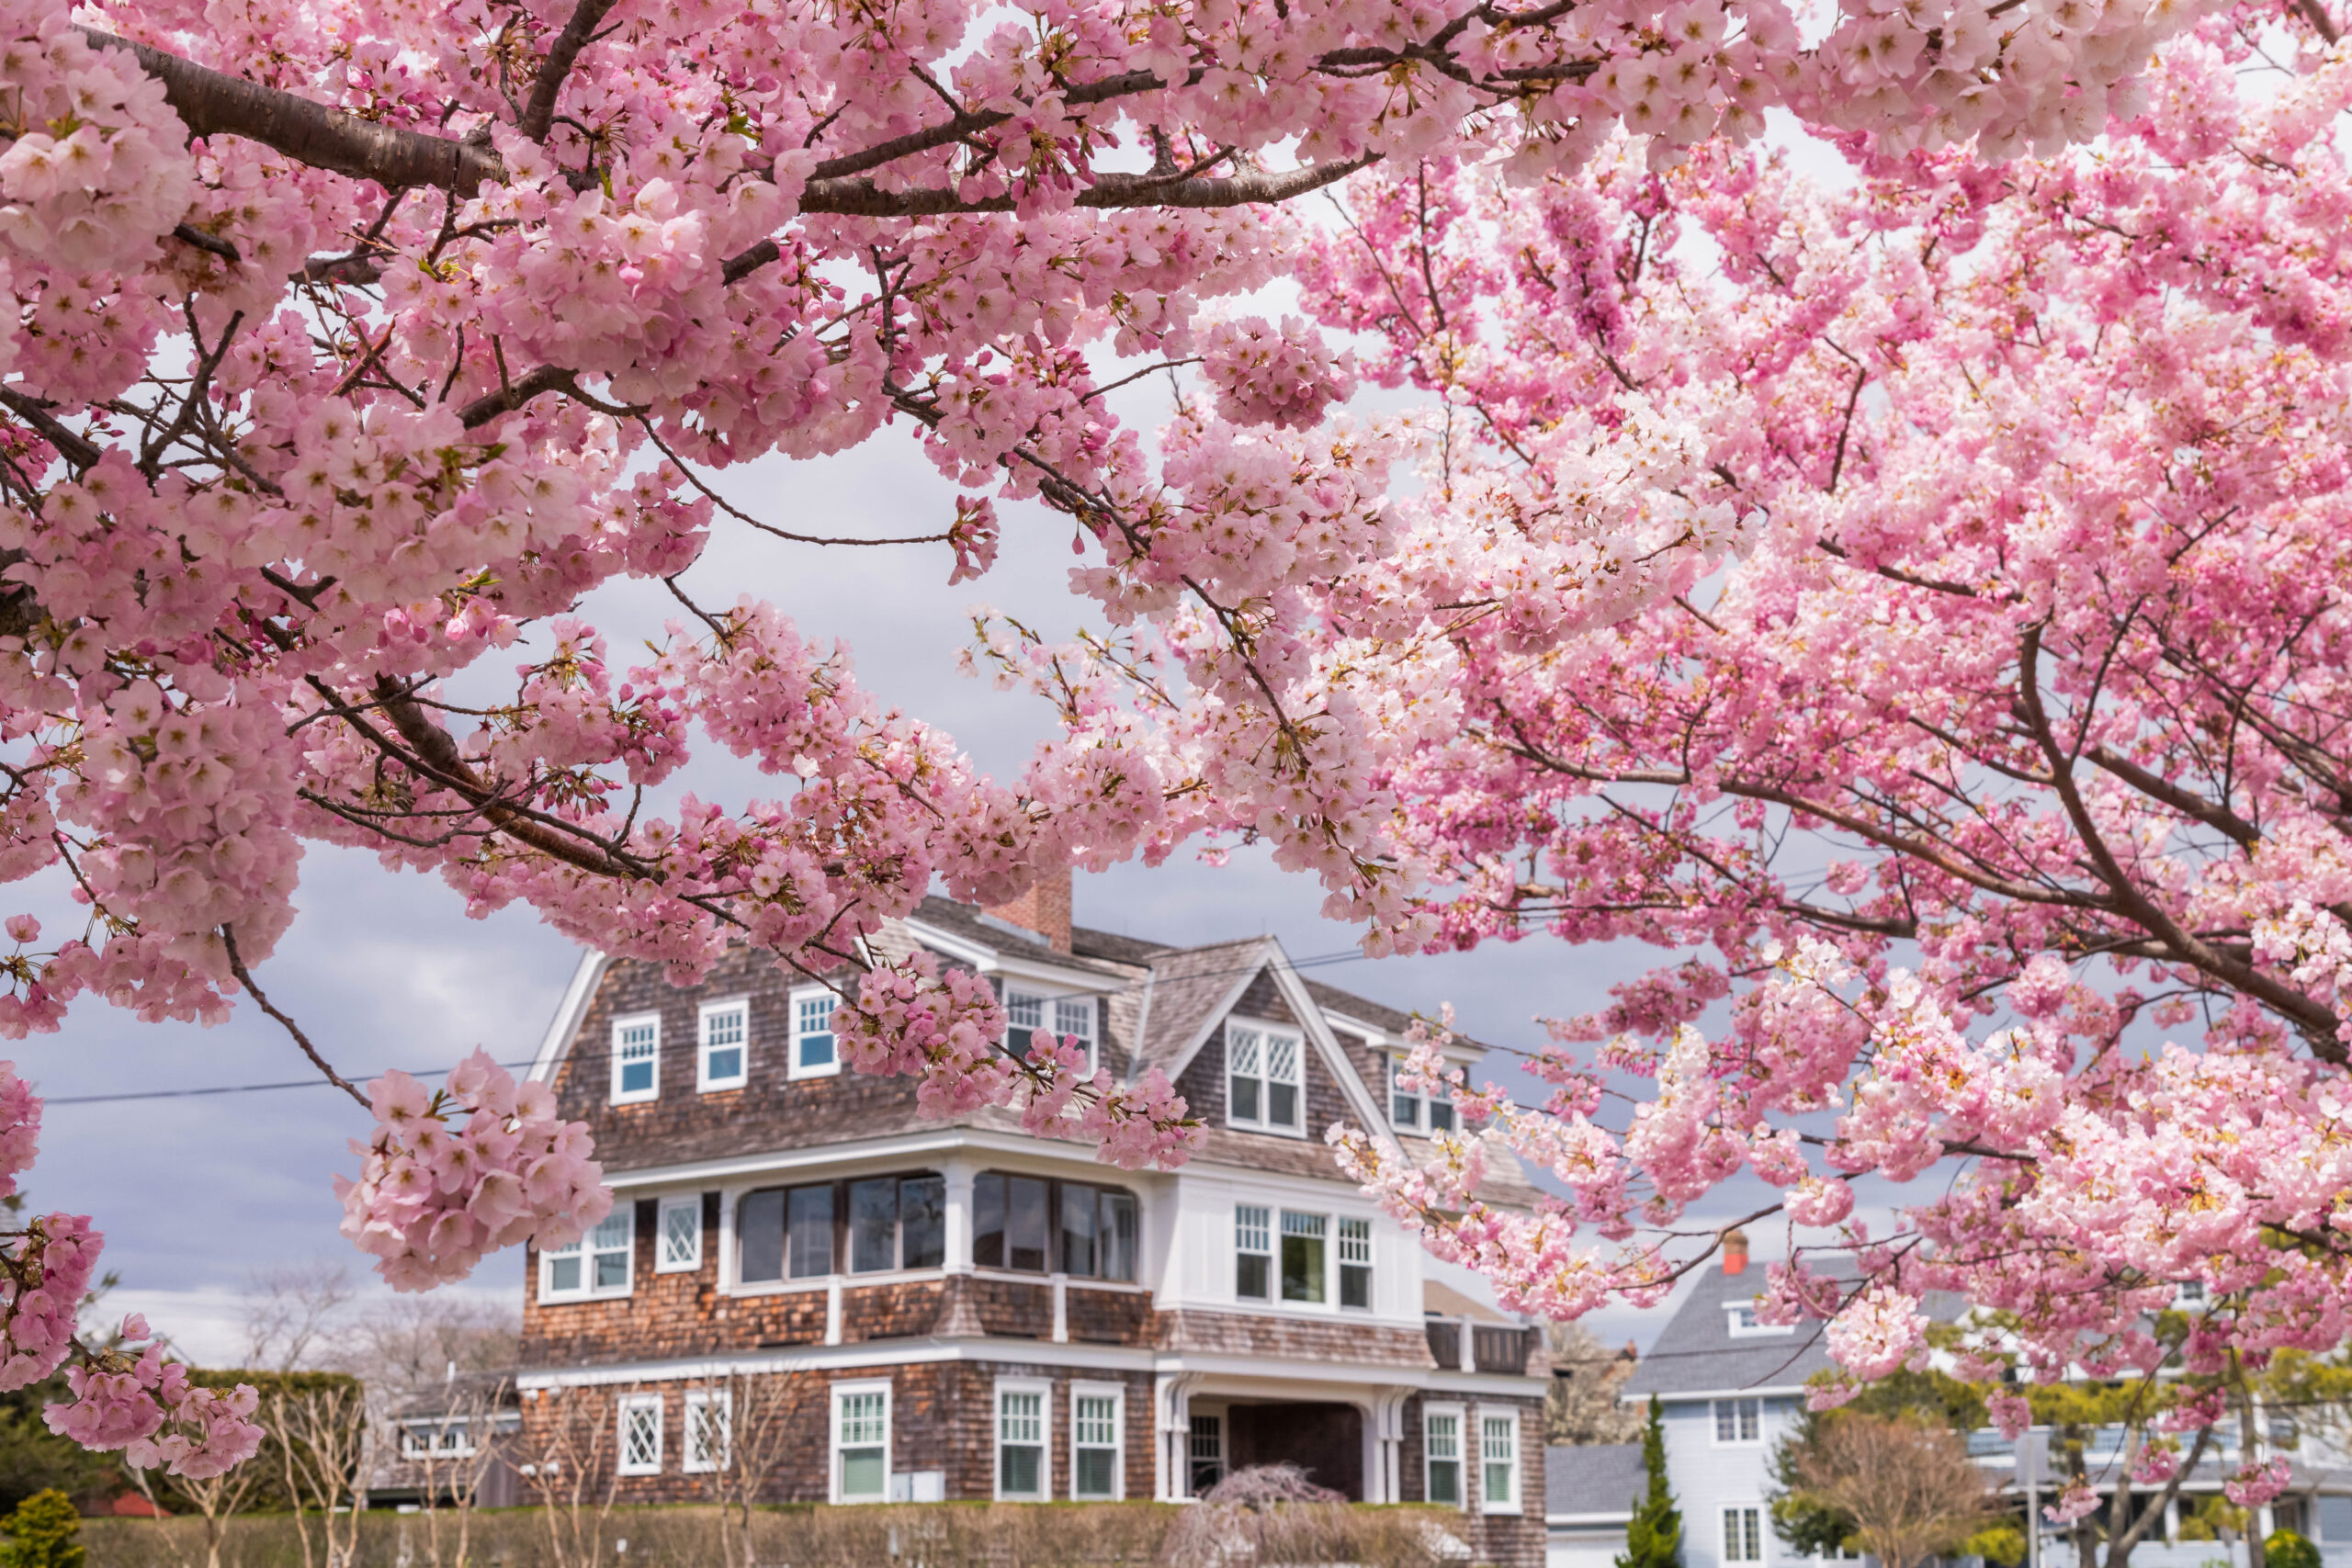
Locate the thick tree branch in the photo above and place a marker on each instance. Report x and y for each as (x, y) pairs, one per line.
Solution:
(539, 112)
(213, 102)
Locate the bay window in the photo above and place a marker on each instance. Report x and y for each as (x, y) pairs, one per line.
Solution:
(883, 1223)
(1303, 1256)
(1034, 1225)
(1355, 1263)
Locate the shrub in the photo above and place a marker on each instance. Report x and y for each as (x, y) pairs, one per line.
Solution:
(42, 1531)
(2285, 1548)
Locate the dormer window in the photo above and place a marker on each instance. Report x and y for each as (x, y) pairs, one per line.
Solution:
(1264, 1086)
(637, 1059)
(813, 1053)
(1028, 1013)
(1744, 1324)
(1413, 1111)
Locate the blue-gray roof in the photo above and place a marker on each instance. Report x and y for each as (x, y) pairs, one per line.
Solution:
(1599, 1478)
(1696, 1352)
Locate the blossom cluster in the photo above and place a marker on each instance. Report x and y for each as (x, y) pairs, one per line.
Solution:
(434, 1197)
(145, 1406)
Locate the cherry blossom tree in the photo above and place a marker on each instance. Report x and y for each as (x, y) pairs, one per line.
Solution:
(357, 343)
(1968, 733)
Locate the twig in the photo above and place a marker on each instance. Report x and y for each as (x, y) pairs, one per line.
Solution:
(244, 977)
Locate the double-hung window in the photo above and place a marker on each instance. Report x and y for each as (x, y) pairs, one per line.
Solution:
(861, 1442)
(707, 1435)
(1428, 1110)
(1498, 1461)
(1028, 1014)
(1264, 1083)
(677, 1245)
(1441, 1453)
(1253, 1262)
(725, 1059)
(1095, 1445)
(1303, 1260)
(1743, 1535)
(637, 1059)
(896, 1222)
(640, 1446)
(1738, 1421)
(595, 1264)
(1355, 1263)
(813, 1052)
(1020, 1442)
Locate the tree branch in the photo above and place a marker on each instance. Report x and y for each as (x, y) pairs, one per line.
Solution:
(539, 112)
(244, 977)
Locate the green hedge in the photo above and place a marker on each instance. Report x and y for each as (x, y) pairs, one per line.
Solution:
(936, 1535)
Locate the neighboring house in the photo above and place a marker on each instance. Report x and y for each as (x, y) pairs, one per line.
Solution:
(462, 1435)
(1730, 1389)
(959, 1310)
(1589, 1496)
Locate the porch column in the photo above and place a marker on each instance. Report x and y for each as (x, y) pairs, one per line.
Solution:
(1172, 1467)
(959, 1171)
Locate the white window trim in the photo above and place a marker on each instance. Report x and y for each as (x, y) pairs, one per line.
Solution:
(1043, 1389)
(1265, 1099)
(1117, 1394)
(793, 1070)
(631, 1021)
(1463, 1476)
(583, 1248)
(1752, 1329)
(1714, 1423)
(705, 1399)
(704, 1082)
(841, 1390)
(662, 1263)
(1723, 1528)
(1486, 1413)
(624, 1407)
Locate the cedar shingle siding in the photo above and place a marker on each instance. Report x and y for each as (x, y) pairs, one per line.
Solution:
(1319, 1384)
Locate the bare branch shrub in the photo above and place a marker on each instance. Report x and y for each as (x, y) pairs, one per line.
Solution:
(1909, 1487)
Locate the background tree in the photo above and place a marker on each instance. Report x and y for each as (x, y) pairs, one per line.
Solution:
(1581, 1406)
(1812, 1523)
(1654, 1535)
(1909, 1486)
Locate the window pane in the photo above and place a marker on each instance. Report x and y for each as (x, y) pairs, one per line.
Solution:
(612, 1270)
(1249, 1276)
(1441, 1116)
(1251, 1224)
(563, 1273)
(1024, 1224)
(726, 1063)
(923, 1222)
(1094, 1421)
(1445, 1481)
(1443, 1435)
(682, 1233)
(1243, 1045)
(1282, 1105)
(1075, 1015)
(1281, 1059)
(1017, 1471)
(1355, 1285)
(810, 1232)
(1118, 1236)
(1245, 1100)
(862, 1472)
(1724, 1430)
(1078, 1231)
(1025, 1016)
(1020, 1417)
(1094, 1472)
(759, 1236)
(863, 1419)
(1302, 1256)
(1403, 1107)
(1207, 1451)
(872, 1225)
(988, 1221)
(813, 1029)
(1749, 1413)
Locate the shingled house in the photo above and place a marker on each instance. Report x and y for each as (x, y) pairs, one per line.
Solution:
(959, 1310)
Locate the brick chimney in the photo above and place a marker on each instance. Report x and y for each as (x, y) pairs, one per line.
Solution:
(1045, 908)
(1735, 1251)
